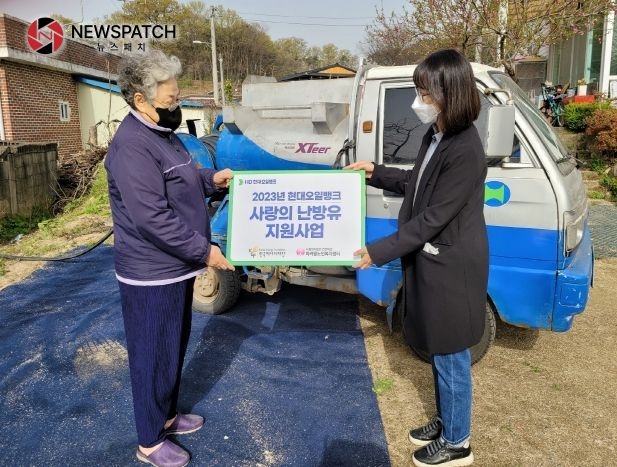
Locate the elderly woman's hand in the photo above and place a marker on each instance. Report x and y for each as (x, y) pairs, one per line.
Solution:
(222, 178)
(216, 259)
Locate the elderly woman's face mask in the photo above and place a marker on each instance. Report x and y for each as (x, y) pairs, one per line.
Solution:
(167, 105)
(170, 117)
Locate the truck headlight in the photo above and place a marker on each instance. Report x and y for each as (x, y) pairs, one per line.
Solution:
(574, 227)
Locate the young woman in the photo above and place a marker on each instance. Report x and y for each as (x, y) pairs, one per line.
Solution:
(443, 246)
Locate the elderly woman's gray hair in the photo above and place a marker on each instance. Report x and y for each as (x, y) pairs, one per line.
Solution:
(141, 72)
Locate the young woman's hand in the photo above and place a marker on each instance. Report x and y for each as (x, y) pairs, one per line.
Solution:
(367, 166)
(365, 259)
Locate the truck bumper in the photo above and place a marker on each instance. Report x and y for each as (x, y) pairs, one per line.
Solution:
(380, 284)
(573, 284)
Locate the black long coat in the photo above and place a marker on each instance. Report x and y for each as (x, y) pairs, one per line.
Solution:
(445, 293)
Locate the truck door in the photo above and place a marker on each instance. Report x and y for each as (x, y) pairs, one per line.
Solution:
(394, 142)
(398, 139)
(520, 210)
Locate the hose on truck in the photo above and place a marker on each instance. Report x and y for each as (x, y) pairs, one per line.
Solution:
(344, 151)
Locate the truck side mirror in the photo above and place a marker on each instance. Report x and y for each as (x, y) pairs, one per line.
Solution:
(498, 132)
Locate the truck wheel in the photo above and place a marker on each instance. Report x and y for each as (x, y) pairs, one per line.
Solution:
(216, 291)
(479, 350)
(490, 328)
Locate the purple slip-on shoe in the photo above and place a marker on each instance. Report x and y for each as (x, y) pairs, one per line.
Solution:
(185, 424)
(168, 455)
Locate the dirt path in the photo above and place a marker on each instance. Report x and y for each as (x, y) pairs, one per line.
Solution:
(17, 271)
(540, 398)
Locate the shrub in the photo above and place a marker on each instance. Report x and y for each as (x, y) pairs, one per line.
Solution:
(597, 164)
(16, 224)
(574, 114)
(602, 128)
(610, 183)
(595, 195)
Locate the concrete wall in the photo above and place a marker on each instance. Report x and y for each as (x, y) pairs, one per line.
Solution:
(101, 108)
(205, 115)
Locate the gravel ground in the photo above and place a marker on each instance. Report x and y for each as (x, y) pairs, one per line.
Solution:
(603, 225)
(540, 398)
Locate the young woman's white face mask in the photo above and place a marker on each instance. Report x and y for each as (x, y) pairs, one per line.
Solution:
(427, 113)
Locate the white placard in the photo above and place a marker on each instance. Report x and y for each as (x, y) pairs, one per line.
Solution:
(296, 217)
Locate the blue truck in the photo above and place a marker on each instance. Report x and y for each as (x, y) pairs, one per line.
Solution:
(541, 255)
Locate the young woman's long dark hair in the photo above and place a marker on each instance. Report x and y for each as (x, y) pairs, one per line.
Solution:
(447, 76)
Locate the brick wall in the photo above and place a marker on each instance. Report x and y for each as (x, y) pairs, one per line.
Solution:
(30, 92)
(30, 106)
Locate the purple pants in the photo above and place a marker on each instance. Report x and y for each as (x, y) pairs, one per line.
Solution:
(157, 324)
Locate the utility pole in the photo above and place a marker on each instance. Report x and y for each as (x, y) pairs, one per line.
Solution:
(222, 81)
(503, 24)
(215, 83)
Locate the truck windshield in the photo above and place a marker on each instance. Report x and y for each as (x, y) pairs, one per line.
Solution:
(524, 105)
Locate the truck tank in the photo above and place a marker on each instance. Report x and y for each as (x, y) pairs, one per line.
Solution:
(297, 125)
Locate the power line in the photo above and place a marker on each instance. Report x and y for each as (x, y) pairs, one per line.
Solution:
(308, 17)
(308, 24)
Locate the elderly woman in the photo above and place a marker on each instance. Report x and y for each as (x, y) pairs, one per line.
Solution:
(161, 242)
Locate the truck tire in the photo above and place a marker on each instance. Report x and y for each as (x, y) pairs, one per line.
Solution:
(216, 291)
(477, 351)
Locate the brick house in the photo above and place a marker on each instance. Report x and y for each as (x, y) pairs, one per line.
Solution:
(39, 93)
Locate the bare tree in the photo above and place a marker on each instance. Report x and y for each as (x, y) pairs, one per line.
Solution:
(495, 32)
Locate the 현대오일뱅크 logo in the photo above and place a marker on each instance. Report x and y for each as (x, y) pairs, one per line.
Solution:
(45, 36)
(496, 193)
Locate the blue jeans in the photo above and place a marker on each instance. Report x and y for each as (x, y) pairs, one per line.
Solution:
(452, 375)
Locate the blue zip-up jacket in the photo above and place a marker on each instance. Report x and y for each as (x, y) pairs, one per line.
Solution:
(156, 193)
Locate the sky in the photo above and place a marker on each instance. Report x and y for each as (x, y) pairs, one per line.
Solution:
(318, 22)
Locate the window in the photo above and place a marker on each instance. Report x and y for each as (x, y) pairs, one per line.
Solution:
(402, 131)
(596, 52)
(65, 111)
(537, 122)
